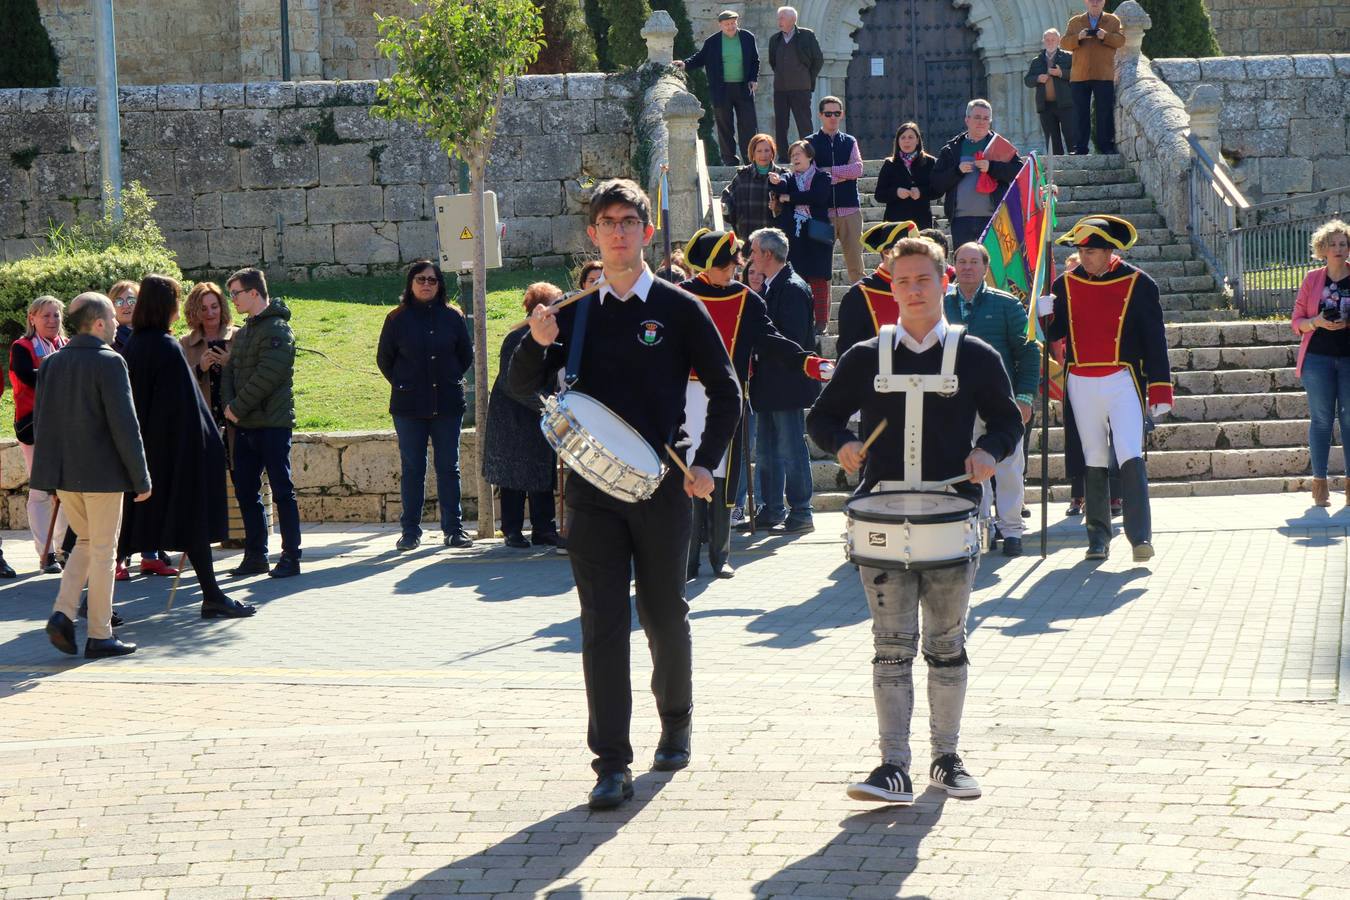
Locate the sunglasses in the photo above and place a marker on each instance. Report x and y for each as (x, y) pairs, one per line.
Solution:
(426, 279)
(125, 301)
(832, 115)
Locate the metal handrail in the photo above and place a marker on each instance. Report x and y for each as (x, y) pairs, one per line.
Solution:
(1219, 173)
(1215, 202)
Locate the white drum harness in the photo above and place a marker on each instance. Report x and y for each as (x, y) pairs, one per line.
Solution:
(944, 383)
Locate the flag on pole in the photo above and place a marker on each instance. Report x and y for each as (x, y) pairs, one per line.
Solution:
(662, 199)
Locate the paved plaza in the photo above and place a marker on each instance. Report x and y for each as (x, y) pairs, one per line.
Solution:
(413, 726)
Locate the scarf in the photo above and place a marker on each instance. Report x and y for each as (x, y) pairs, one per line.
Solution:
(763, 170)
(802, 211)
(43, 348)
(908, 159)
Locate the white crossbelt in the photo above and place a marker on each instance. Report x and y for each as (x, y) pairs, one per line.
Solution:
(914, 386)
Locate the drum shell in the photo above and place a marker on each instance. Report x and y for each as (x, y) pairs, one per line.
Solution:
(913, 542)
(584, 454)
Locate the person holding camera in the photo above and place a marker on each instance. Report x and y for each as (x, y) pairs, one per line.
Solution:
(1093, 38)
(1321, 316)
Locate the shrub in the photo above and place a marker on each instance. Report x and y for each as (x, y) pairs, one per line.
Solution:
(568, 45)
(26, 55)
(627, 49)
(1181, 28)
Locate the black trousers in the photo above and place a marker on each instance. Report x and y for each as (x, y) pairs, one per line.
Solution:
(739, 104)
(1057, 121)
(541, 511)
(610, 544)
(798, 103)
(712, 526)
(1103, 94)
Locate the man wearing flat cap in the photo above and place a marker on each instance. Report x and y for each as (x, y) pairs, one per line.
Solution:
(868, 304)
(732, 61)
(742, 319)
(1116, 356)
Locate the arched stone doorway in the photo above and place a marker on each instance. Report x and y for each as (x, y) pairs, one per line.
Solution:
(915, 60)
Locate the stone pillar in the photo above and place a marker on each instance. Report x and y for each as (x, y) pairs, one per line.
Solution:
(659, 33)
(1136, 22)
(1204, 107)
(682, 113)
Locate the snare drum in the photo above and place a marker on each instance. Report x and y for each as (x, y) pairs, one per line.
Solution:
(911, 530)
(601, 447)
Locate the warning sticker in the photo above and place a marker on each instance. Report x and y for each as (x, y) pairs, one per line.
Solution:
(466, 234)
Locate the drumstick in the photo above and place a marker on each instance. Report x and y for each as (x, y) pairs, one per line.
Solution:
(683, 468)
(871, 438)
(173, 590)
(568, 301)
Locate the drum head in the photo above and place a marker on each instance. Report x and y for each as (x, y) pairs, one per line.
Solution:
(910, 506)
(612, 432)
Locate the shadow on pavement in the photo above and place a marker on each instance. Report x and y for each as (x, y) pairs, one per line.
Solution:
(837, 605)
(538, 854)
(887, 839)
(1060, 595)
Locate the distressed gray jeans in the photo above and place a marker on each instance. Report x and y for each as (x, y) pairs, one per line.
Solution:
(895, 598)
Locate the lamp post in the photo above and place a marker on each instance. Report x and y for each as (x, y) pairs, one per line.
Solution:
(109, 127)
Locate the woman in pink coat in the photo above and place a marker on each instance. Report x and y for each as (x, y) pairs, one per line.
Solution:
(1321, 315)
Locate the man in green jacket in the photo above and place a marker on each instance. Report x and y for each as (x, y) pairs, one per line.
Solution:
(256, 388)
(998, 319)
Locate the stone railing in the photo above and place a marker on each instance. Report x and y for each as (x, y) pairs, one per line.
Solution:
(667, 129)
(350, 476)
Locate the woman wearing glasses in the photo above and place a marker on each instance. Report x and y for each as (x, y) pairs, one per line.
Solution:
(424, 351)
(123, 295)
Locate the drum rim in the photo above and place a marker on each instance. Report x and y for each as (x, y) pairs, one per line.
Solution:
(661, 470)
(920, 519)
(916, 566)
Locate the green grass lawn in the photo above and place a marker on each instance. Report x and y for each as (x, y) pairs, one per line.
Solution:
(342, 319)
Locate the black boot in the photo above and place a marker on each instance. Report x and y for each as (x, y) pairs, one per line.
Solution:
(719, 531)
(672, 751)
(5, 570)
(1137, 514)
(1097, 513)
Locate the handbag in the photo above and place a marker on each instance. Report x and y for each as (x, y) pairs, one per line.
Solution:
(821, 232)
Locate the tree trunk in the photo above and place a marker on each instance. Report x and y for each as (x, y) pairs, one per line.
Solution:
(487, 526)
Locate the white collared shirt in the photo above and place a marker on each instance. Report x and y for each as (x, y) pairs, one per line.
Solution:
(639, 288)
(934, 337)
(768, 279)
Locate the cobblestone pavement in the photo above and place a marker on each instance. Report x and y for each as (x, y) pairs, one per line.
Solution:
(413, 726)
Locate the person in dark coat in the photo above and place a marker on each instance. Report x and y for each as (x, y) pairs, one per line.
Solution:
(804, 196)
(972, 172)
(183, 449)
(731, 60)
(424, 351)
(1049, 74)
(516, 457)
(904, 184)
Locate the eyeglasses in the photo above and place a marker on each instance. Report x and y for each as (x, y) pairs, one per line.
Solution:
(426, 279)
(240, 291)
(609, 226)
(125, 301)
(832, 115)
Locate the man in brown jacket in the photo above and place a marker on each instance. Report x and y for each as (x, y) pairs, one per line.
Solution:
(1093, 38)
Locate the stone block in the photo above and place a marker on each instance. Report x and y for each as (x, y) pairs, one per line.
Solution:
(345, 164)
(1237, 116)
(1264, 463)
(62, 174)
(506, 161)
(371, 467)
(1286, 176)
(222, 96)
(260, 208)
(528, 237)
(570, 117)
(43, 214)
(13, 471)
(612, 117)
(16, 506)
(315, 93)
(365, 244)
(357, 92)
(249, 127)
(516, 116)
(173, 212)
(315, 464)
(231, 248)
(536, 198)
(1325, 96)
(179, 96)
(299, 124)
(1243, 90)
(621, 86)
(418, 240)
(357, 508)
(206, 212)
(141, 98)
(604, 155)
(1177, 71)
(1201, 436)
(1261, 142)
(207, 169)
(1272, 114)
(1281, 434)
(569, 235)
(407, 161)
(13, 182)
(550, 158)
(540, 87)
(358, 124)
(191, 248)
(270, 94)
(402, 202)
(1292, 406)
(346, 204)
(1314, 65)
(154, 169)
(279, 165)
(11, 219)
(50, 133)
(1317, 138)
(310, 506)
(1222, 68)
(307, 244)
(1244, 381)
(1330, 173)
(585, 86)
(1269, 68)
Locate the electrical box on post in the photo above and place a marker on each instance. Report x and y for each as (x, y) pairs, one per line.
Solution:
(455, 226)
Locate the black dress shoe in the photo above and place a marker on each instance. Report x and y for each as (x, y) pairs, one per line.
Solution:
(250, 565)
(6, 571)
(61, 632)
(691, 572)
(287, 566)
(794, 526)
(99, 648)
(672, 751)
(52, 566)
(1012, 546)
(223, 607)
(1075, 507)
(549, 538)
(459, 538)
(1097, 548)
(517, 541)
(724, 570)
(408, 542)
(610, 790)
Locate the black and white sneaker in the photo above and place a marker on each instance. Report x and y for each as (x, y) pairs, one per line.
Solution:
(886, 784)
(949, 774)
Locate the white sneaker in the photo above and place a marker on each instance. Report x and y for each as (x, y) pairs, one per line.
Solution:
(737, 516)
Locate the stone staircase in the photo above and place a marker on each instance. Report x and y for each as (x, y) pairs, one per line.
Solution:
(1240, 423)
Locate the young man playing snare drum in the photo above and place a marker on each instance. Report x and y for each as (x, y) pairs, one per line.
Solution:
(942, 451)
(641, 339)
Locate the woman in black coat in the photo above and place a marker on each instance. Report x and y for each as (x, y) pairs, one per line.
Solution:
(516, 457)
(802, 196)
(904, 183)
(183, 448)
(424, 351)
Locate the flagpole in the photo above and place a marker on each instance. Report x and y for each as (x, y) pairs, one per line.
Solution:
(1045, 368)
(665, 212)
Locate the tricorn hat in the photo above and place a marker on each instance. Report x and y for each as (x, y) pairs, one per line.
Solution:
(1106, 232)
(883, 236)
(709, 249)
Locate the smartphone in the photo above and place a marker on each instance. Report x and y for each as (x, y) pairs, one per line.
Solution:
(215, 345)
(1092, 32)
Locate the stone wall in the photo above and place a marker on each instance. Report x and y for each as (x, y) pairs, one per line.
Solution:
(301, 177)
(339, 477)
(1248, 27)
(1285, 120)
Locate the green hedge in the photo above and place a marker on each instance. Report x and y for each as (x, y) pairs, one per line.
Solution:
(27, 58)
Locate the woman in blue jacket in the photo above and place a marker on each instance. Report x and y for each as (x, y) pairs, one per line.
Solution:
(424, 351)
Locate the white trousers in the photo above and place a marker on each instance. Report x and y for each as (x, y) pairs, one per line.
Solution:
(40, 512)
(1107, 410)
(1008, 488)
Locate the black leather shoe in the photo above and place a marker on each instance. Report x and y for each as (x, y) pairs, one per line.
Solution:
(52, 566)
(794, 526)
(61, 632)
(408, 542)
(724, 570)
(691, 572)
(517, 541)
(250, 565)
(1075, 507)
(672, 751)
(223, 607)
(1098, 548)
(547, 539)
(6, 571)
(99, 648)
(287, 567)
(611, 790)
(459, 538)
(1012, 546)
